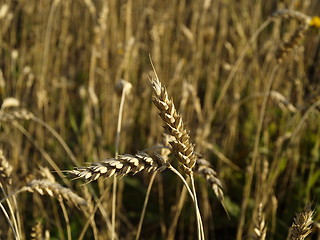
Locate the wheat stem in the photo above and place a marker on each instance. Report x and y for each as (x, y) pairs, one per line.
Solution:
(153, 176)
(248, 182)
(114, 189)
(198, 214)
(65, 215)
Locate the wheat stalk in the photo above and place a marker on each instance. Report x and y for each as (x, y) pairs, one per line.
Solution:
(124, 165)
(302, 224)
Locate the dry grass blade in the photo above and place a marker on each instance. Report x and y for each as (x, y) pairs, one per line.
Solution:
(119, 167)
(45, 186)
(301, 226)
(260, 229)
(5, 169)
(174, 125)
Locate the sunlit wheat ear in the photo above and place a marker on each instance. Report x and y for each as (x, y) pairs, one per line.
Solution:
(174, 126)
(203, 169)
(124, 165)
(302, 224)
(44, 186)
(5, 169)
(260, 229)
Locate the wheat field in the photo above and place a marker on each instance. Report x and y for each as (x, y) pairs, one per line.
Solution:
(159, 119)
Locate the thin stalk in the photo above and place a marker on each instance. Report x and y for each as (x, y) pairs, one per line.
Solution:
(66, 217)
(114, 189)
(58, 137)
(236, 68)
(248, 183)
(16, 226)
(9, 221)
(91, 216)
(177, 212)
(183, 180)
(199, 219)
(41, 150)
(145, 204)
(192, 194)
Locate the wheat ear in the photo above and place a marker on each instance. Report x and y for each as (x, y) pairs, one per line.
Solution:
(181, 146)
(174, 126)
(291, 14)
(53, 189)
(203, 169)
(36, 232)
(302, 224)
(19, 114)
(306, 22)
(5, 169)
(260, 229)
(294, 41)
(124, 165)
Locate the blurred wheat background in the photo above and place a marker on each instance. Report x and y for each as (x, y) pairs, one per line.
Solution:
(60, 66)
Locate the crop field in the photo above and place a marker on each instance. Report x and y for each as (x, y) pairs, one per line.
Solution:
(158, 119)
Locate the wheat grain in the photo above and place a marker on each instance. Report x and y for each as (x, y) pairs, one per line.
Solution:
(119, 167)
